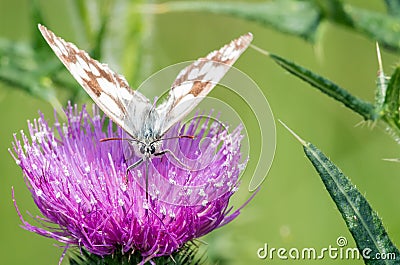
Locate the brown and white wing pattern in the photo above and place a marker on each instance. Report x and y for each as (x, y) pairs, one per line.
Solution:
(109, 90)
(195, 81)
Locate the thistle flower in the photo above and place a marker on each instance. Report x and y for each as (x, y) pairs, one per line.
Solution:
(79, 184)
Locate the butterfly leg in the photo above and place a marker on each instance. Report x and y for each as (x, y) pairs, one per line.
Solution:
(137, 163)
(147, 182)
(163, 152)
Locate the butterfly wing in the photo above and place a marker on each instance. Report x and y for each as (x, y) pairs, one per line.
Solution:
(195, 81)
(109, 90)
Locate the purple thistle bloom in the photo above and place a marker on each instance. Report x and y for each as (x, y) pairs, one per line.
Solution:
(79, 185)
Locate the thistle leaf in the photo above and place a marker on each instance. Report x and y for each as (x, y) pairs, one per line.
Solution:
(362, 221)
(383, 28)
(303, 18)
(299, 18)
(364, 108)
(22, 68)
(391, 104)
(393, 7)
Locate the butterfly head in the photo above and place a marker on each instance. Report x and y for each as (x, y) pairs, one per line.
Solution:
(147, 149)
(149, 144)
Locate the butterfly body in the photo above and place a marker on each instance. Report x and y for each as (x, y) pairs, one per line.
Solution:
(147, 141)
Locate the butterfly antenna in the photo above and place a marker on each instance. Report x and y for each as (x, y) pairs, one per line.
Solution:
(113, 139)
(119, 139)
(174, 137)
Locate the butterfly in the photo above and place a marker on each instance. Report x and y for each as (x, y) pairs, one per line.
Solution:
(145, 123)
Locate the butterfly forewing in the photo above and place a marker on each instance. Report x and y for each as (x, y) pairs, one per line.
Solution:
(195, 81)
(109, 90)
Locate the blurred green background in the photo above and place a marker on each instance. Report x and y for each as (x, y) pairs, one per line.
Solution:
(293, 208)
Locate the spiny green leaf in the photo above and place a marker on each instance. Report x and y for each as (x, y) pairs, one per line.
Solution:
(35, 69)
(393, 7)
(362, 221)
(391, 104)
(326, 86)
(392, 95)
(29, 70)
(380, 27)
(22, 67)
(303, 18)
(300, 18)
(381, 86)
